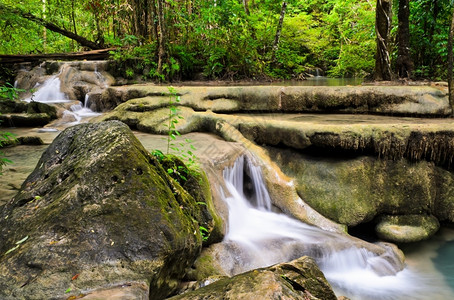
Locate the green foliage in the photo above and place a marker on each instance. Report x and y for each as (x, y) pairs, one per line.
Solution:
(5, 138)
(222, 41)
(429, 29)
(182, 149)
(18, 243)
(9, 92)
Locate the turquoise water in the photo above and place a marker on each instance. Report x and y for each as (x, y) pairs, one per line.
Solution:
(444, 260)
(433, 261)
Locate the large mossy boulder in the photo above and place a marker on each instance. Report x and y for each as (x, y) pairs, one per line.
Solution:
(97, 212)
(298, 279)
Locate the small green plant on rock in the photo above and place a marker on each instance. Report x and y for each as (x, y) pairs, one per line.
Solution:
(183, 149)
(204, 233)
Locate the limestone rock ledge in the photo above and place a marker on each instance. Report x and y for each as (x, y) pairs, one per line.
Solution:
(397, 100)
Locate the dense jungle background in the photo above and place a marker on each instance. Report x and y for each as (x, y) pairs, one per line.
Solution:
(234, 39)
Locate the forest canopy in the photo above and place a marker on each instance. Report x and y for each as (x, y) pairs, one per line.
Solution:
(176, 39)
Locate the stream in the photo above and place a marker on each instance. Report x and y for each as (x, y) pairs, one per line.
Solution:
(262, 236)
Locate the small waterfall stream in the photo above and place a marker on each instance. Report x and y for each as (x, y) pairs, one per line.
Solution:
(260, 237)
(49, 92)
(81, 110)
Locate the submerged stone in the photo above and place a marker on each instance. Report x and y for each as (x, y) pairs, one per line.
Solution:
(407, 228)
(98, 211)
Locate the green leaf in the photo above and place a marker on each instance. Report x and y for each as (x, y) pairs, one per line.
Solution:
(12, 249)
(68, 290)
(22, 240)
(170, 171)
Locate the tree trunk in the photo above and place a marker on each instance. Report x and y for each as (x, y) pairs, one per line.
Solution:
(450, 65)
(277, 37)
(382, 29)
(161, 36)
(81, 40)
(404, 63)
(154, 15)
(246, 7)
(44, 29)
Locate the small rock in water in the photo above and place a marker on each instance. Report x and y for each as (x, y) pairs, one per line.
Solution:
(48, 130)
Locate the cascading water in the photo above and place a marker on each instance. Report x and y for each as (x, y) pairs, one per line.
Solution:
(49, 92)
(99, 76)
(79, 111)
(259, 237)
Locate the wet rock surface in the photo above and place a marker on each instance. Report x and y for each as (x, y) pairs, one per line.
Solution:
(298, 279)
(357, 189)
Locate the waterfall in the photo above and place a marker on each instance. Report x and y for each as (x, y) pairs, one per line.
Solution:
(259, 237)
(80, 111)
(100, 77)
(49, 92)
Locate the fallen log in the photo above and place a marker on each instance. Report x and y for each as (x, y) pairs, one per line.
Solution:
(84, 55)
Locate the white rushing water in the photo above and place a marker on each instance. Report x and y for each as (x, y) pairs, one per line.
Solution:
(260, 237)
(80, 111)
(49, 92)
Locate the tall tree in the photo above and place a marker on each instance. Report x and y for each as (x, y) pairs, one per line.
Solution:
(162, 40)
(382, 29)
(404, 62)
(277, 37)
(450, 65)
